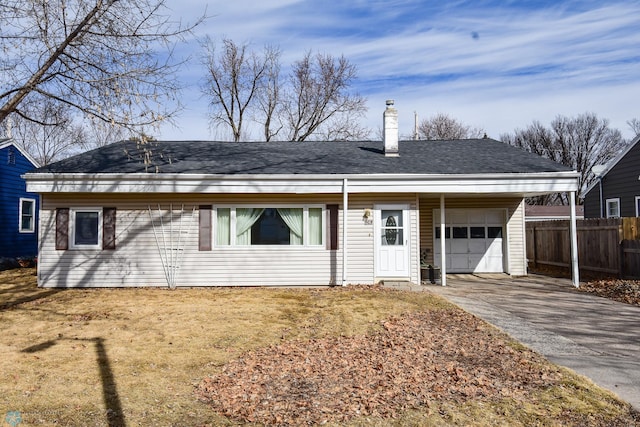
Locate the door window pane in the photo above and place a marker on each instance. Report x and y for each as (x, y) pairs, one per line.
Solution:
(393, 238)
(392, 233)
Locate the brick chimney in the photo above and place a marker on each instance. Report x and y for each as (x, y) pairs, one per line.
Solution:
(390, 123)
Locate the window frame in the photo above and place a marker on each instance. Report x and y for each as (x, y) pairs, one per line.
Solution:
(21, 228)
(305, 225)
(72, 229)
(638, 206)
(610, 202)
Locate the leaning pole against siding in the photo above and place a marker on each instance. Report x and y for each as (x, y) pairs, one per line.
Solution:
(171, 235)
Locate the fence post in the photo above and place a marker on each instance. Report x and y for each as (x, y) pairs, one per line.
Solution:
(621, 273)
(533, 246)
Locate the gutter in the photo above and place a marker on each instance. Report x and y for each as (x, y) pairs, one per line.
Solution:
(521, 184)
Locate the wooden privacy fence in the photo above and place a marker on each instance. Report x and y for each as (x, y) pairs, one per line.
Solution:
(609, 246)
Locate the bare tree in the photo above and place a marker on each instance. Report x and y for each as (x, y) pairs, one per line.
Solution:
(442, 126)
(580, 143)
(269, 96)
(634, 124)
(235, 76)
(346, 127)
(107, 60)
(49, 143)
(319, 91)
(99, 133)
(314, 101)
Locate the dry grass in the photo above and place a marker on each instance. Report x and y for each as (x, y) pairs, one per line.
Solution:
(134, 356)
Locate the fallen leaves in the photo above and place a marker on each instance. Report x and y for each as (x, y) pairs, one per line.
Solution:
(415, 358)
(627, 291)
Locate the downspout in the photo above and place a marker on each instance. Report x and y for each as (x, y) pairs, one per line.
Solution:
(345, 211)
(575, 271)
(443, 244)
(418, 239)
(600, 188)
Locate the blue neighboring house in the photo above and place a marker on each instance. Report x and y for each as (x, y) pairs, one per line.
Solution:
(18, 208)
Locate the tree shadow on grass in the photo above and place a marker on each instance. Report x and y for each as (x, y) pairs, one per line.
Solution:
(14, 294)
(110, 396)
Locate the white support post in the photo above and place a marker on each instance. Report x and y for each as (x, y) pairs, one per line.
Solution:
(575, 271)
(443, 244)
(345, 211)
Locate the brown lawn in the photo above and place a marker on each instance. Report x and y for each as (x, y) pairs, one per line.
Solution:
(253, 356)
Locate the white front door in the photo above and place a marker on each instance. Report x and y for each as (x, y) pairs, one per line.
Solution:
(392, 241)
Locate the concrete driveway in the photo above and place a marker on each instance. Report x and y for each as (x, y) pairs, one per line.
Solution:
(593, 336)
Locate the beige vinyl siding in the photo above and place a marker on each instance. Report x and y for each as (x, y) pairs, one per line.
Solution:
(516, 239)
(516, 262)
(361, 245)
(136, 261)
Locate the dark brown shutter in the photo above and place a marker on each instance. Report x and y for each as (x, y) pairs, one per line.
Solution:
(62, 229)
(332, 223)
(204, 239)
(109, 228)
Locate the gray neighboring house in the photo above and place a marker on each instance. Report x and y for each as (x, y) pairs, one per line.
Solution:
(616, 193)
(202, 213)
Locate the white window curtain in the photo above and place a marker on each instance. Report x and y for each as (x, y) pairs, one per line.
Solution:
(315, 226)
(223, 227)
(245, 218)
(293, 218)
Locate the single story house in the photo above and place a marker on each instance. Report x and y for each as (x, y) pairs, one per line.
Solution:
(616, 192)
(18, 208)
(201, 213)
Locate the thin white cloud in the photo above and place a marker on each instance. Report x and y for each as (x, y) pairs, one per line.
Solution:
(497, 67)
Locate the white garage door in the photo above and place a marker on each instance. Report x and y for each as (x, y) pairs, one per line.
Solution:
(473, 239)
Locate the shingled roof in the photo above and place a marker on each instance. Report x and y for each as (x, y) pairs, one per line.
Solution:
(472, 156)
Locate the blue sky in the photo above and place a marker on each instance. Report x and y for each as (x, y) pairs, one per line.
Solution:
(494, 65)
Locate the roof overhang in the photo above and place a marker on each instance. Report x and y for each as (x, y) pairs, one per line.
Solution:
(525, 185)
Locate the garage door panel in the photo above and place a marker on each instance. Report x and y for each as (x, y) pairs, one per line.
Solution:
(494, 217)
(460, 262)
(477, 263)
(455, 217)
(459, 246)
(475, 243)
(477, 246)
(476, 217)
